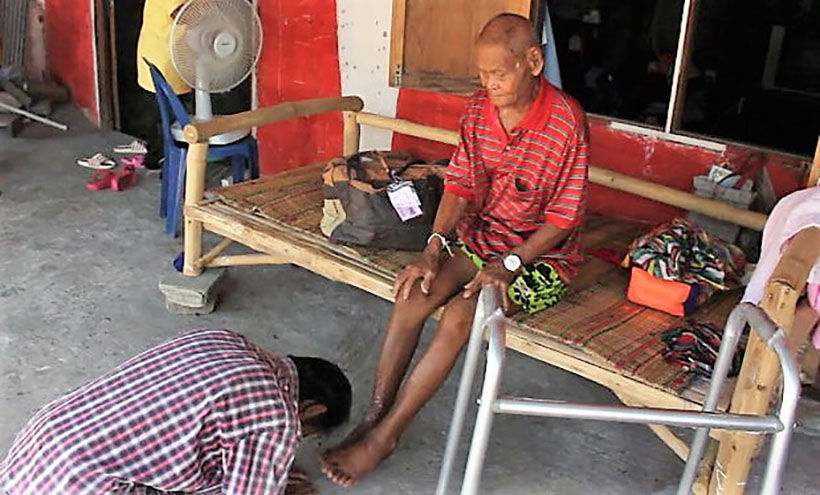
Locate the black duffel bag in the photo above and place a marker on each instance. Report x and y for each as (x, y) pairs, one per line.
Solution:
(357, 209)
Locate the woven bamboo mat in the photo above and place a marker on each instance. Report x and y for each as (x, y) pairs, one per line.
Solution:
(594, 316)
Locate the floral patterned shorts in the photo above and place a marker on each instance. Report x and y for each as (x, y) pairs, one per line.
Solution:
(537, 287)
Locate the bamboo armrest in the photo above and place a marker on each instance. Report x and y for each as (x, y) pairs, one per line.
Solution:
(597, 175)
(200, 132)
(789, 277)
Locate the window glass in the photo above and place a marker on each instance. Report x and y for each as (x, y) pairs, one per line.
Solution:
(754, 73)
(617, 56)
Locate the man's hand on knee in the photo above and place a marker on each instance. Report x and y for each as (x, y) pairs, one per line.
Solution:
(425, 269)
(493, 275)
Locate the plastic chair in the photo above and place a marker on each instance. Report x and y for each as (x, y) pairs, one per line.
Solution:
(242, 153)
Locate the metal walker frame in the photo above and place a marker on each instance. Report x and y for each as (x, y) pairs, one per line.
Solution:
(490, 319)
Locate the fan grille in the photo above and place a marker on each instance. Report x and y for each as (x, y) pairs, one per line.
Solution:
(199, 27)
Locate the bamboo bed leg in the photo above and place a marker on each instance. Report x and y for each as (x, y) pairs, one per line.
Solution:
(194, 189)
(213, 253)
(755, 386)
(701, 484)
(352, 130)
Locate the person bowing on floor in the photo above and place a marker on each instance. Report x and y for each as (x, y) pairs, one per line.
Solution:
(205, 412)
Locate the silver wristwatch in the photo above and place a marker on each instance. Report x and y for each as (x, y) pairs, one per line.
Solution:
(512, 262)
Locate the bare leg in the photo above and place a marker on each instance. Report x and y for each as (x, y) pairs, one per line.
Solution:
(401, 338)
(350, 464)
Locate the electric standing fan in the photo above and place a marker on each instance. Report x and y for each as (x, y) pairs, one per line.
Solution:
(214, 46)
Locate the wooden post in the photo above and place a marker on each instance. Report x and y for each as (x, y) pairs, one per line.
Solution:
(350, 145)
(814, 171)
(194, 189)
(397, 43)
(759, 373)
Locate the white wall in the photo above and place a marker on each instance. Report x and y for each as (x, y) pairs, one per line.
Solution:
(364, 51)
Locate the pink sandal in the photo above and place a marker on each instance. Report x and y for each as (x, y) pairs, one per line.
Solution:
(136, 161)
(124, 178)
(101, 179)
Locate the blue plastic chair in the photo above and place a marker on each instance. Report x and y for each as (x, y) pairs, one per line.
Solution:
(242, 153)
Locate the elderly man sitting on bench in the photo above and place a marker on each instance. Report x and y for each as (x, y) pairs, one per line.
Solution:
(514, 199)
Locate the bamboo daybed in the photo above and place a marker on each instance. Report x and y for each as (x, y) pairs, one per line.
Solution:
(593, 333)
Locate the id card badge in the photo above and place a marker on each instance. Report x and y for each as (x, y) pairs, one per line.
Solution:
(404, 199)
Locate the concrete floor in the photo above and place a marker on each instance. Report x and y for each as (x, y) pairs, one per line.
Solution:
(78, 295)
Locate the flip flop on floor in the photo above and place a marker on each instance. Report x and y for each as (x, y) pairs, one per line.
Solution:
(135, 147)
(101, 179)
(124, 178)
(97, 162)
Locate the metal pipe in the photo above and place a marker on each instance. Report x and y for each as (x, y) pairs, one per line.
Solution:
(496, 354)
(728, 346)
(643, 415)
(33, 116)
(778, 451)
(488, 302)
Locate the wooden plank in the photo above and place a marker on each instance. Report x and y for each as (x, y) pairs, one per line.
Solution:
(759, 373)
(246, 260)
(454, 24)
(397, 42)
(251, 233)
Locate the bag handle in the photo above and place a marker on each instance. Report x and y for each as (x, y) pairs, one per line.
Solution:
(355, 163)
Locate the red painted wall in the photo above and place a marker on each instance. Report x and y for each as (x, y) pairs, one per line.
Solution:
(70, 50)
(658, 161)
(299, 60)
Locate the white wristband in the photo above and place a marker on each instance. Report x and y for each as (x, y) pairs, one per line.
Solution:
(444, 242)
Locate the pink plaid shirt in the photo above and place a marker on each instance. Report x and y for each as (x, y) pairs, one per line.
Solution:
(204, 411)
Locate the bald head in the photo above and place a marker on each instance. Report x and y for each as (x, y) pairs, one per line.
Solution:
(510, 30)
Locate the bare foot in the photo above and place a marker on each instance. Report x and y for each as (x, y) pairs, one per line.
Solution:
(345, 466)
(369, 420)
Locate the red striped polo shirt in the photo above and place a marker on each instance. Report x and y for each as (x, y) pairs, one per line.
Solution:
(519, 181)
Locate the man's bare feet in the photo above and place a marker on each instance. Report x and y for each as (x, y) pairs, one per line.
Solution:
(372, 416)
(347, 465)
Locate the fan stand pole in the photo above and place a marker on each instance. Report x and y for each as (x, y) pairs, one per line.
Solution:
(202, 97)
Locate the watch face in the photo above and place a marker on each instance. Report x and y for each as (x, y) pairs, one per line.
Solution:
(512, 262)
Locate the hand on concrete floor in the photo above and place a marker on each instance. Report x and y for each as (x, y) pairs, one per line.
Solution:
(299, 484)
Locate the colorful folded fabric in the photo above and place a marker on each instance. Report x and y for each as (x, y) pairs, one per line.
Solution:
(682, 252)
(695, 346)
